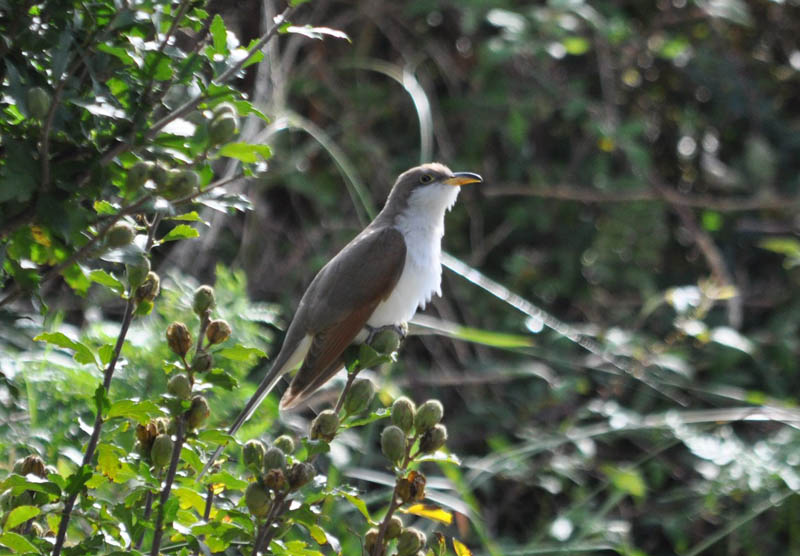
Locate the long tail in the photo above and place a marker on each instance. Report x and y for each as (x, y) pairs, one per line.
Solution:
(266, 386)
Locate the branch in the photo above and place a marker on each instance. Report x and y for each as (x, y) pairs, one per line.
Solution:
(173, 467)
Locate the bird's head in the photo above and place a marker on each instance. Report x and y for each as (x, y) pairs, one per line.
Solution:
(430, 188)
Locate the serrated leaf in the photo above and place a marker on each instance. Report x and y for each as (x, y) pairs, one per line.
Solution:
(460, 548)
(241, 353)
(140, 411)
(104, 278)
(246, 152)
(215, 436)
(189, 498)
(434, 513)
(19, 515)
(190, 458)
(181, 231)
(18, 543)
(105, 352)
(108, 460)
(220, 378)
(219, 35)
(359, 504)
(82, 352)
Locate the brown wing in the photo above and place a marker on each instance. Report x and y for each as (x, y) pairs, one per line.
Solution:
(339, 302)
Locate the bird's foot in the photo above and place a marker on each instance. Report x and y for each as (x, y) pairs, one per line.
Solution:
(386, 339)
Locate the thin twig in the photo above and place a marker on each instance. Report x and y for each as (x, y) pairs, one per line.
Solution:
(148, 510)
(265, 535)
(396, 502)
(158, 533)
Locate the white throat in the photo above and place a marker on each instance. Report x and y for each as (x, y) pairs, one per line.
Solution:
(422, 226)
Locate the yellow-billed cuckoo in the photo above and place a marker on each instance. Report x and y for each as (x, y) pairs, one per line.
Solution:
(378, 279)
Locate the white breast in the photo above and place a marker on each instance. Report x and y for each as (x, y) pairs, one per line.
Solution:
(422, 226)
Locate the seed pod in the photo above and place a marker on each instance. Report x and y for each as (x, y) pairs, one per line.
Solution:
(137, 175)
(149, 289)
(137, 272)
(409, 541)
(223, 108)
(274, 459)
(275, 479)
(202, 361)
(285, 444)
(301, 474)
(257, 499)
(393, 443)
(38, 102)
(359, 396)
(179, 338)
(198, 412)
(411, 488)
(180, 387)
(223, 128)
(394, 528)
(30, 464)
(433, 439)
(161, 452)
(403, 411)
(120, 235)
(324, 426)
(182, 183)
(160, 176)
(370, 539)
(253, 455)
(386, 341)
(203, 300)
(218, 331)
(428, 414)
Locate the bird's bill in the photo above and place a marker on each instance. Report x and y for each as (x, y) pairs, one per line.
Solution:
(462, 178)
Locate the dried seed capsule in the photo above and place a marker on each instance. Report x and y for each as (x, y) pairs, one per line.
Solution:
(285, 444)
(218, 331)
(161, 452)
(403, 411)
(370, 539)
(428, 414)
(257, 499)
(149, 289)
(275, 479)
(274, 458)
(30, 464)
(180, 387)
(359, 396)
(203, 300)
(433, 439)
(179, 338)
(325, 425)
(393, 443)
(301, 474)
(198, 412)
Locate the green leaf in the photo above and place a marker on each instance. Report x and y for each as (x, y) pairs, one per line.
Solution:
(101, 401)
(220, 378)
(359, 504)
(104, 207)
(18, 543)
(374, 416)
(82, 352)
(245, 152)
(315, 447)
(241, 353)
(440, 457)
(20, 514)
(19, 484)
(230, 482)
(188, 217)
(181, 231)
(190, 499)
(219, 35)
(215, 436)
(627, 480)
(109, 280)
(76, 481)
(191, 458)
(106, 352)
(576, 45)
(140, 411)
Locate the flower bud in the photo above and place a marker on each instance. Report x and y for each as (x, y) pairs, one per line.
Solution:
(178, 338)
(137, 175)
(301, 474)
(223, 128)
(218, 331)
(393, 443)
(180, 387)
(403, 411)
(149, 289)
(285, 444)
(161, 452)
(433, 439)
(198, 412)
(274, 459)
(253, 455)
(145, 434)
(275, 479)
(257, 499)
(120, 235)
(370, 539)
(137, 272)
(410, 541)
(182, 183)
(202, 361)
(394, 528)
(359, 396)
(387, 341)
(325, 425)
(428, 414)
(38, 102)
(203, 300)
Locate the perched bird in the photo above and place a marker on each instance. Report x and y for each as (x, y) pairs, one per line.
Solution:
(377, 280)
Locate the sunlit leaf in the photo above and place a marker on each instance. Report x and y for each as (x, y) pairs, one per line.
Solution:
(181, 231)
(20, 514)
(17, 543)
(241, 353)
(460, 548)
(106, 279)
(82, 352)
(434, 513)
(246, 152)
(627, 480)
(140, 411)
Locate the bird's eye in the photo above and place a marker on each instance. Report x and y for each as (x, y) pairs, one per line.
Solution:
(425, 178)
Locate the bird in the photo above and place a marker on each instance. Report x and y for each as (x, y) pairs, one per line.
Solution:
(378, 280)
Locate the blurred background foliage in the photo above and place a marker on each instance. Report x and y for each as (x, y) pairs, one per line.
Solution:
(641, 191)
